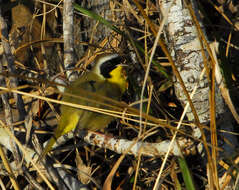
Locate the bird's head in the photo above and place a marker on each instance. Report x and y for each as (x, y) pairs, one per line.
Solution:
(110, 68)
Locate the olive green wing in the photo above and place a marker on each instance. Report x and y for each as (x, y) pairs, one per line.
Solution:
(96, 121)
(91, 88)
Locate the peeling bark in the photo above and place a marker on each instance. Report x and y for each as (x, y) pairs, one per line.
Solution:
(186, 51)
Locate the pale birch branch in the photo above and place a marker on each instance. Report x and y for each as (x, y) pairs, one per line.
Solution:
(187, 53)
(68, 35)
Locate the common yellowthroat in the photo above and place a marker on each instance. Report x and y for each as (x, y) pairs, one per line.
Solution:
(105, 79)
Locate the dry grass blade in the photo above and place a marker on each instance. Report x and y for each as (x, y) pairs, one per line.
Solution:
(25, 154)
(8, 168)
(160, 137)
(151, 121)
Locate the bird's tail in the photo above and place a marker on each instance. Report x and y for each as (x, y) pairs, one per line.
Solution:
(47, 148)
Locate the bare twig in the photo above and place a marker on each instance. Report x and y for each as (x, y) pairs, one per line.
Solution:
(8, 168)
(31, 179)
(14, 83)
(10, 60)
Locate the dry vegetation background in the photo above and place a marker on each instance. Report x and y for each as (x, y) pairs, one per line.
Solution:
(36, 38)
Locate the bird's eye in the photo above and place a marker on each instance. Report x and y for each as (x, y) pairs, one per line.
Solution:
(89, 67)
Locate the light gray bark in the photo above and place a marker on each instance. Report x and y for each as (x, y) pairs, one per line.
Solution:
(186, 51)
(68, 33)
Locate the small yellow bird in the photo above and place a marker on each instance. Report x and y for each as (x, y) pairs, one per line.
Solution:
(105, 79)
